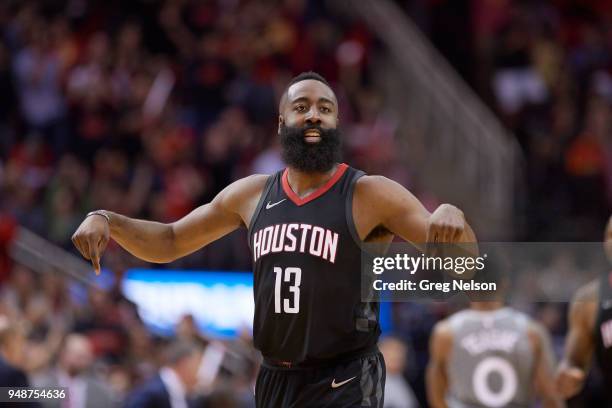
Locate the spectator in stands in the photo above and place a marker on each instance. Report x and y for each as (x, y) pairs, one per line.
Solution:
(187, 330)
(73, 371)
(11, 354)
(398, 393)
(176, 380)
(101, 322)
(37, 71)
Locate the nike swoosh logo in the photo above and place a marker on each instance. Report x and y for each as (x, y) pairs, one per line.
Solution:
(340, 384)
(269, 205)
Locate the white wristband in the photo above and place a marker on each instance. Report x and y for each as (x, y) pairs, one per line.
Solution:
(99, 212)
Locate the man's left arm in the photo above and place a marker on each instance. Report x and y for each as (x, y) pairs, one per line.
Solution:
(380, 201)
(436, 376)
(543, 371)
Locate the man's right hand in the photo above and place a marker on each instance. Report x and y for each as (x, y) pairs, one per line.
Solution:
(91, 239)
(569, 381)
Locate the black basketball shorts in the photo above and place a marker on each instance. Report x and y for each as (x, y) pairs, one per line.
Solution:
(359, 382)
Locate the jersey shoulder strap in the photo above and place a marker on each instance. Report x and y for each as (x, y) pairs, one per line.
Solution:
(348, 188)
(266, 190)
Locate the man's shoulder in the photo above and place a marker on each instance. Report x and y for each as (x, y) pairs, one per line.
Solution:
(441, 339)
(372, 180)
(252, 183)
(245, 188)
(382, 191)
(374, 185)
(444, 328)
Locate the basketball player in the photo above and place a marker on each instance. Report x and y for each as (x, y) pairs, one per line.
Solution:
(490, 356)
(305, 226)
(590, 331)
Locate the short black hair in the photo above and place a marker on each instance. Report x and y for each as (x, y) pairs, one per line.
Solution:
(306, 75)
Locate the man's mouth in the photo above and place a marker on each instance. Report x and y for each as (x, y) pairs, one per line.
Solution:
(312, 136)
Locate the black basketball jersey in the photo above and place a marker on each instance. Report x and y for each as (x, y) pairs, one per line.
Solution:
(306, 256)
(603, 333)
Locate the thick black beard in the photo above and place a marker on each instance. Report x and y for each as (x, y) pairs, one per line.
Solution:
(310, 157)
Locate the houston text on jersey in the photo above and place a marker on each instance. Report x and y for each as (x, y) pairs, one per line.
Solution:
(303, 238)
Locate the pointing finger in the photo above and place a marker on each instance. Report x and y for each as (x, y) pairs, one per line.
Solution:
(98, 250)
(95, 261)
(94, 255)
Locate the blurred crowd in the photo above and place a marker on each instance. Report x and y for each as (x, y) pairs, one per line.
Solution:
(99, 349)
(545, 66)
(149, 108)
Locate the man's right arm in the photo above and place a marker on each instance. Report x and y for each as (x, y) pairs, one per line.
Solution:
(544, 366)
(160, 243)
(579, 344)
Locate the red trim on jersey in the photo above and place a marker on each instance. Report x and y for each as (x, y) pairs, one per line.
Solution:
(318, 192)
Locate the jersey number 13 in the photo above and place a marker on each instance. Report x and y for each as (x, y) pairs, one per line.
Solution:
(293, 276)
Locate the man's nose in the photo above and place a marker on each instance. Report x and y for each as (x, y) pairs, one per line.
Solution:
(313, 116)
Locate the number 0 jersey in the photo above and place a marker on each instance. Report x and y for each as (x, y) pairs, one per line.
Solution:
(307, 261)
(492, 359)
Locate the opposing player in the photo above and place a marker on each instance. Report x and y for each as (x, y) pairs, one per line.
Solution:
(490, 356)
(306, 225)
(590, 333)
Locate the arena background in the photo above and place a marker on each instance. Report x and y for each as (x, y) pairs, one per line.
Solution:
(149, 108)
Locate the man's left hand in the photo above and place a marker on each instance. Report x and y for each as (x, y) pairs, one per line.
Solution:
(446, 224)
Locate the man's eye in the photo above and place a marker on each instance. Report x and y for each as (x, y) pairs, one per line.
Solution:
(300, 108)
(325, 109)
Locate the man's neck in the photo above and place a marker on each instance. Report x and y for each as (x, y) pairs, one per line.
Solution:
(303, 183)
(487, 305)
